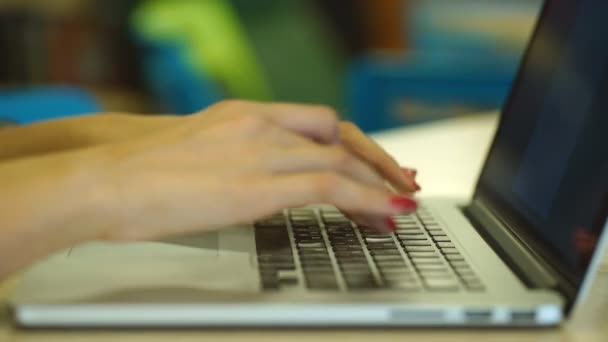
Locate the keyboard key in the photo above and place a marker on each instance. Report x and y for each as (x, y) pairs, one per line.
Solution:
(336, 219)
(308, 222)
(454, 257)
(339, 226)
(308, 239)
(376, 246)
(269, 281)
(313, 250)
(450, 251)
(353, 261)
(277, 265)
(402, 218)
(459, 264)
(432, 255)
(279, 257)
(465, 272)
(310, 244)
(420, 248)
(287, 278)
(360, 283)
(436, 233)
(385, 252)
(407, 275)
(312, 270)
(344, 256)
(409, 232)
(387, 239)
(397, 272)
(441, 239)
(324, 267)
(344, 240)
(445, 244)
(355, 267)
(391, 264)
(375, 235)
(419, 261)
(272, 241)
(349, 254)
(412, 237)
(311, 257)
(408, 285)
(408, 226)
(423, 266)
(443, 284)
(322, 285)
(316, 283)
(390, 257)
(416, 243)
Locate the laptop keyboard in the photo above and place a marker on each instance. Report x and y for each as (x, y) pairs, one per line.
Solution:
(326, 251)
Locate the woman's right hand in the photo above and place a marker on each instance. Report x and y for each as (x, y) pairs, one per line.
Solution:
(234, 163)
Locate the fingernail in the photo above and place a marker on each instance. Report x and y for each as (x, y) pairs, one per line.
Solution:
(390, 223)
(404, 203)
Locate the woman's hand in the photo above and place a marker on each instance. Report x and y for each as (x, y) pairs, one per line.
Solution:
(239, 161)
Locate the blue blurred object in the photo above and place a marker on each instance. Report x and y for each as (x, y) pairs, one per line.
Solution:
(32, 105)
(384, 93)
(463, 58)
(174, 83)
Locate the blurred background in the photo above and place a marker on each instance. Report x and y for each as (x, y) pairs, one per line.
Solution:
(381, 63)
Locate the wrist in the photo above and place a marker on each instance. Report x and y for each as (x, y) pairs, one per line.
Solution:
(56, 201)
(89, 199)
(102, 210)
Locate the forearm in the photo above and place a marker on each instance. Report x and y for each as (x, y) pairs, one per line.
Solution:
(49, 203)
(48, 136)
(73, 133)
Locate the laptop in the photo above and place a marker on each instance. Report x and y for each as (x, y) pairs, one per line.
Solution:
(522, 251)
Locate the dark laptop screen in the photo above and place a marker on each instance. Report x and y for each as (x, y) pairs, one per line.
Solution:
(548, 168)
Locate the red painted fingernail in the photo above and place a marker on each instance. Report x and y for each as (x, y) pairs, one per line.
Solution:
(391, 224)
(404, 203)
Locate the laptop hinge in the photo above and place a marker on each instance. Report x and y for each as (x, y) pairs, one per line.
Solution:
(525, 263)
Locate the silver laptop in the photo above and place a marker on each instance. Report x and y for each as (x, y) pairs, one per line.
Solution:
(522, 252)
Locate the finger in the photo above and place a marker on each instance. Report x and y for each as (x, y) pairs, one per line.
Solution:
(369, 151)
(310, 157)
(315, 122)
(410, 172)
(293, 190)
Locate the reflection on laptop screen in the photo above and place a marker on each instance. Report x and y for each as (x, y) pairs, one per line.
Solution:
(549, 163)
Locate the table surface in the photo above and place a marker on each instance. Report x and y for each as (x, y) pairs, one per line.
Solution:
(449, 155)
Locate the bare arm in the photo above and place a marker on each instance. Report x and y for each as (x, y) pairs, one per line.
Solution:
(200, 172)
(75, 132)
(46, 204)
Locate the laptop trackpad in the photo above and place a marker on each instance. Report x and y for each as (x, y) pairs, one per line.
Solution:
(176, 270)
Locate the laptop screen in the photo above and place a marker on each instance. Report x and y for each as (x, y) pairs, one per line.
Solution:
(548, 166)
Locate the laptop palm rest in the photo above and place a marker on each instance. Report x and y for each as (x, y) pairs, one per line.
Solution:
(181, 270)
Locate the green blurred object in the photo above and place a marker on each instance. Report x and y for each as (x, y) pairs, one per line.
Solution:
(213, 39)
(298, 50)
